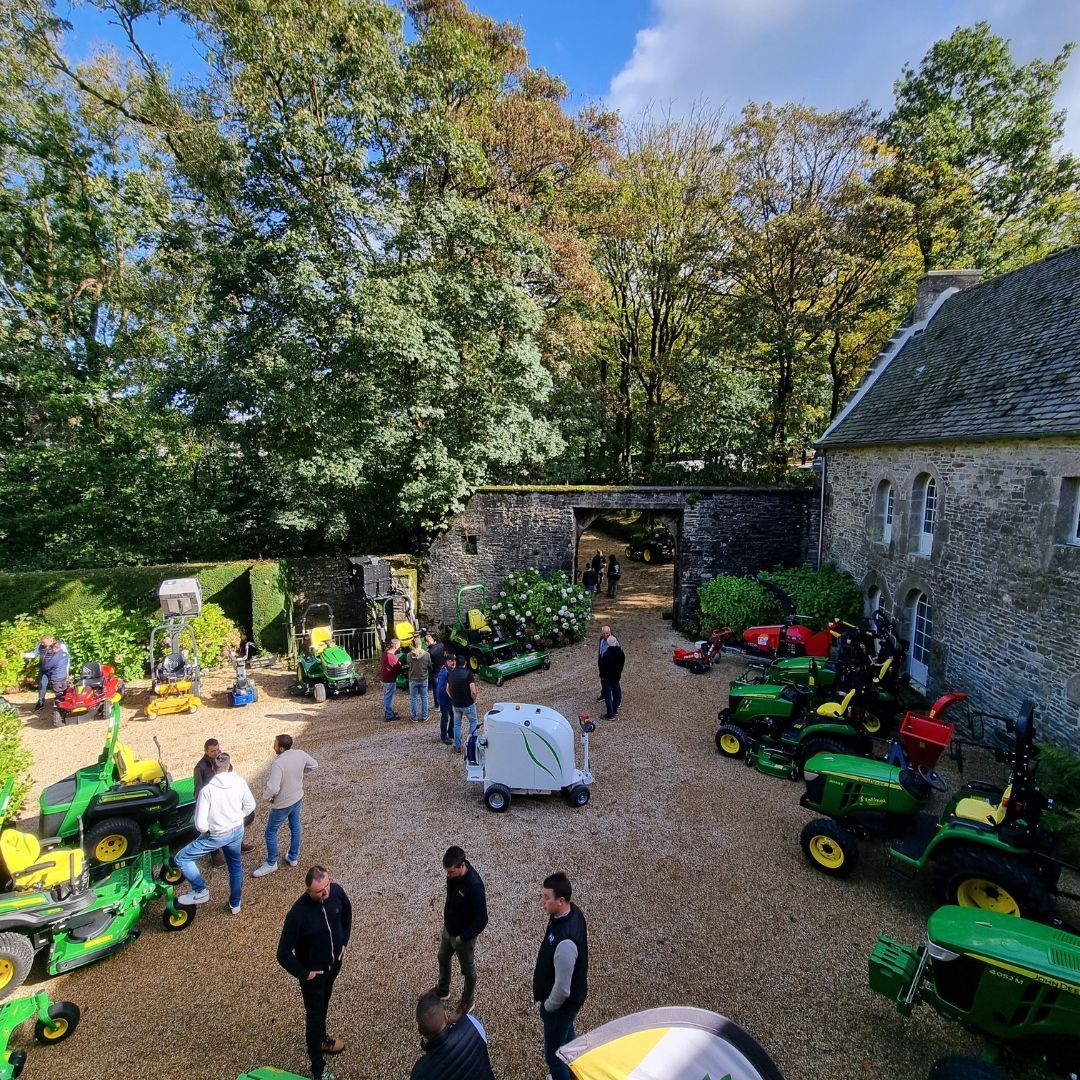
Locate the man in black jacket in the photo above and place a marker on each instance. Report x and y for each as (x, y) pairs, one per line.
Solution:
(312, 947)
(464, 918)
(610, 662)
(561, 977)
(451, 1051)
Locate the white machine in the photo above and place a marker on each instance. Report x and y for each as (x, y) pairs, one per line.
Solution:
(528, 750)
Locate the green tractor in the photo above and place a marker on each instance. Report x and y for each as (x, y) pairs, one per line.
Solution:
(651, 545)
(325, 669)
(48, 901)
(123, 805)
(1014, 982)
(492, 657)
(53, 1023)
(986, 849)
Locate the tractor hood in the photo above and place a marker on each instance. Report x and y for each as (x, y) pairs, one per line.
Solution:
(1025, 948)
(334, 656)
(769, 691)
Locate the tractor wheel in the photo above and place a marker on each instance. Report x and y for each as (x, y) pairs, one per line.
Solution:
(112, 839)
(578, 796)
(732, 741)
(821, 745)
(697, 667)
(474, 661)
(170, 874)
(65, 1018)
(961, 1067)
(180, 920)
(497, 798)
(830, 847)
(318, 692)
(980, 878)
(646, 555)
(16, 959)
(546, 665)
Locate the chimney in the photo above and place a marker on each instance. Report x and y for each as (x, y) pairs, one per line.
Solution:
(933, 284)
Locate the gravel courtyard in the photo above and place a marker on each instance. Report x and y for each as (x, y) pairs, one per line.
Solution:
(687, 867)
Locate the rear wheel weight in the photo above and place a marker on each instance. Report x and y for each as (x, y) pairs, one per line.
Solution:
(830, 848)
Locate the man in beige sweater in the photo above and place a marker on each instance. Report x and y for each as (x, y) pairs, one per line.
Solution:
(285, 790)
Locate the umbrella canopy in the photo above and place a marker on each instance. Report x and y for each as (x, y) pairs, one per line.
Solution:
(669, 1044)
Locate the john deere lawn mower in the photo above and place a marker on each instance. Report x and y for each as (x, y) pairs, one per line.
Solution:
(176, 675)
(985, 848)
(49, 902)
(1014, 982)
(651, 545)
(494, 658)
(122, 804)
(53, 1023)
(325, 669)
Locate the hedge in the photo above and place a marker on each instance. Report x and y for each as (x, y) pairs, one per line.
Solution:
(254, 595)
(15, 759)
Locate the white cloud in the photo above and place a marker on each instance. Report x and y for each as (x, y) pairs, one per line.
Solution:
(827, 53)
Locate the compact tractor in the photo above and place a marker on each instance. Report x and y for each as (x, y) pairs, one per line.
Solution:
(176, 676)
(93, 695)
(652, 545)
(492, 657)
(325, 669)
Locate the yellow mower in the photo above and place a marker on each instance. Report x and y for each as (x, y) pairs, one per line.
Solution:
(176, 676)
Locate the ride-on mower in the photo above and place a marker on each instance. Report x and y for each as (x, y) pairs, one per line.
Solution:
(652, 545)
(1012, 981)
(325, 669)
(93, 695)
(986, 848)
(123, 804)
(54, 1022)
(493, 658)
(177, 675)
(528, 750)
(48, 900)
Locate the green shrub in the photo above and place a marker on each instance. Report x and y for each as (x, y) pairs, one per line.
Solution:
(20, 635)
(107, 636)
(548, 610)
(736, 602)
(1059, 778)
(15, 759)
(214, 630)
(820, 595)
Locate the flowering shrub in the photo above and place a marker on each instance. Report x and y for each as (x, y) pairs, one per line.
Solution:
(548, 610)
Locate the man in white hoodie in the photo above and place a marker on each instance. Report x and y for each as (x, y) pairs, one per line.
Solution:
(220, 809)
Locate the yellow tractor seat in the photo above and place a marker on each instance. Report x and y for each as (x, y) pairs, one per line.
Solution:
(884, 669)
(833, 710)
(130, 771)
(477, 621)
(321, 636)
(986, 813)
(32, 868)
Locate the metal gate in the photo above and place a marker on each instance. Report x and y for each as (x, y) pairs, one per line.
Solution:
(358, 642)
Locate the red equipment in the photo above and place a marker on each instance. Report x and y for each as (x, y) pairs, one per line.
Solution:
(797, 640)
(98, 687)
(925, 736)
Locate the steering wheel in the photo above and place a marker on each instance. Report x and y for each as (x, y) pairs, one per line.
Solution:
(932, 777)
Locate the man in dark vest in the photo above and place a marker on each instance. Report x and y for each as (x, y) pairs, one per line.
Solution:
(451, 1051)
(561, 976)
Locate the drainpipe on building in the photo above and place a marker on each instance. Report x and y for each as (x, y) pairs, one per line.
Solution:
(821, 506)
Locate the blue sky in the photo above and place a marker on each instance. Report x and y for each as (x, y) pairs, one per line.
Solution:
(631, 54)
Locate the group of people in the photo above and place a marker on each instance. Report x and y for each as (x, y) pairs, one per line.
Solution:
(592, 580)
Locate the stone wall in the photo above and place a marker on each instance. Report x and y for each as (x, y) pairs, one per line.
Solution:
(1004, 588)
(717, 531)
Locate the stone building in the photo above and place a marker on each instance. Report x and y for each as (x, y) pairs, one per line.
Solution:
(951, 488)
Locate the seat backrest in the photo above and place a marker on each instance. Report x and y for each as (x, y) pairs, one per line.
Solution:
(125, 762)
(986, 813)
(19, 850)
(91, 672)
(321, 637)
(884, 670)
(477, 620)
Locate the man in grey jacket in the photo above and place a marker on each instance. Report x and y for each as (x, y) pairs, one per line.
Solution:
(419, 670)
(285, 790)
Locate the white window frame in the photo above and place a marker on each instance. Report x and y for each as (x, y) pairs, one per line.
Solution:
(884, 496)
(928, 514)
(920, 619)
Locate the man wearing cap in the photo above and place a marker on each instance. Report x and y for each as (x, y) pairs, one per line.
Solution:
(220, 810)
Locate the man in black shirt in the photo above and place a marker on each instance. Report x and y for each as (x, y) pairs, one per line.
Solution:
(561, 976)
(436, 651)
(451, 1052)
(464, 918)
(312, 948)
(204, 773)
(461, 686)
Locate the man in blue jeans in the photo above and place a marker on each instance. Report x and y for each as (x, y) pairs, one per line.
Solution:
(561, 975)
(461, 686)
(220, 810)
(285, 790)
(389, 668)
(54, 661)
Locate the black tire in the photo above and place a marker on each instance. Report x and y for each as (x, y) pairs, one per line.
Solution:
(254, 694)
(65, 1015)
(578, 796)
(974, 876)
(822, 745)
(184, 917)
(697, 667)
(318, 692)
(171, 875)
(497, 799)
(732, 741)
(961, 1067)
(112, 839)
(474, 661)
(546, 665)
(830, 848)
(16, 959)
(499, 680)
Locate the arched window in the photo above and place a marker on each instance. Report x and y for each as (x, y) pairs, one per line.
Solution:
(924, 505)
(921, 629)
(883, 512)
(874, 600)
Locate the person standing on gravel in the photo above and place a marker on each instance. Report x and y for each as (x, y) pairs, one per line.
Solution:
(464, 918)
(461, 686)
(452, 1051)
(220, 810)
(389, 666)
(54, 663)
(311, 948)
(561, 976)
(437, 652)
(419, 670)
(285, 790)
(204, 773)
(611, 663)
(614, 572)
(442, 699)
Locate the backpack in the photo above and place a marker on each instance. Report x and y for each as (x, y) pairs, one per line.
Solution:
(615, 571)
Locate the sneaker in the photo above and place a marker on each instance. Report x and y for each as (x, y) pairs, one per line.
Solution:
(609, 716)
(199, 897)
(266, 868)
(234, 909)
(39, 706)
(416, 719)
(326, 1074)
(456, 747)
(294, 863)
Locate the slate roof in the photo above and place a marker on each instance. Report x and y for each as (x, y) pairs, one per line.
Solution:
(998, 360)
